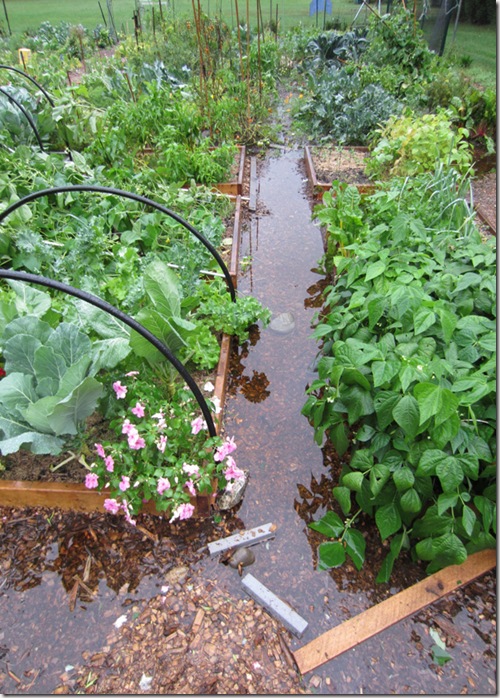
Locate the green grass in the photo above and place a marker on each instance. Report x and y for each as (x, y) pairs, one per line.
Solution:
(29, 14)
(477, 42)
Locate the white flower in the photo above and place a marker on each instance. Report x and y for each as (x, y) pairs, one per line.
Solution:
(209, 387)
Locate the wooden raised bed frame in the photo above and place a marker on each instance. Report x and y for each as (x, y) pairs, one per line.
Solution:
(319, 188)
(75, 496)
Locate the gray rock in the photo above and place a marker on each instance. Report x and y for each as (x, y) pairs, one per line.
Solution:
(284, 323)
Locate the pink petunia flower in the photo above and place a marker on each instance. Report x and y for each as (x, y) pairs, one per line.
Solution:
(125, 483)
(161, 420)
(127, 426)
(91, 481)
(162, 443)
(163, 484)
(190, 487)
(197, 425)
(232, 472)
(100, 450)
(191, 469)
(135, 441)
(227, 447)
(125, 508)
(138, 410)
(109, 463)
(182, 512)
(131, 374)
(112, 506)
(120, 390)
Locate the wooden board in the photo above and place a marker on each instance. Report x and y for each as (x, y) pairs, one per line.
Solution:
(252, 203)
(406, 603)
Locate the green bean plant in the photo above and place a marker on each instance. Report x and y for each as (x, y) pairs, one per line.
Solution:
(406, 379)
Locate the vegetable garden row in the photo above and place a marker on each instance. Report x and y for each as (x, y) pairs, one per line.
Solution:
(406, 379)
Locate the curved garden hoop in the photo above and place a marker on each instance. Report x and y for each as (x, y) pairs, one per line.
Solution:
(126, 319)
(26, 114)
(127, 195)
(28, 77)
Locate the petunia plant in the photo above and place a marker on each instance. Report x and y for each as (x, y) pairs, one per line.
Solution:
(162, 451)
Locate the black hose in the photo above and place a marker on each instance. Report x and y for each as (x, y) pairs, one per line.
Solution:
(108, 308)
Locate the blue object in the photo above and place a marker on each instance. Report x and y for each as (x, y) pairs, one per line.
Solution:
(316, 6)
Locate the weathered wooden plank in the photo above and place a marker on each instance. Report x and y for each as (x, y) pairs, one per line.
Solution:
(252, 203)
(276, 607)
(377, 618)
(244, 538)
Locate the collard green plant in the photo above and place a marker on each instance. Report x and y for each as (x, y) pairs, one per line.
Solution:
(406, 380)
(50, 386)
(341, 109)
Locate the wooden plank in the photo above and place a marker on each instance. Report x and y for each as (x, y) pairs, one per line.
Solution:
(406, 603)
(235, 248)
(252, 203)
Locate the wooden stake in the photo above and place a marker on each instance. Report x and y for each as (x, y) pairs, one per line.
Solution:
(406, 603)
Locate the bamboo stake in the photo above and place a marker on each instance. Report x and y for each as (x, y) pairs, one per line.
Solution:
(239, 38)
(258, 52)
(248, 62)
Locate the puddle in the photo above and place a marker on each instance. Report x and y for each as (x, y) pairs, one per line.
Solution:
(49, 621)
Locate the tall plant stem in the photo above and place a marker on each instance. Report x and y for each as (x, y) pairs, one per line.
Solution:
(258, 50)
(242, 75)
(200, 50)
(248, 61)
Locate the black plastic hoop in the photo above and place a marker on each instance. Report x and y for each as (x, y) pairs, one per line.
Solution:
(26, 114)
(31, 79)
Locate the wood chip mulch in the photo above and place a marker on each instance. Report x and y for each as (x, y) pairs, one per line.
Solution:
(192, 639)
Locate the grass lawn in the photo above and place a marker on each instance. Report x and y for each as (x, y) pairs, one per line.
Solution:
(476, 42)
(29, 14)
(479, 44)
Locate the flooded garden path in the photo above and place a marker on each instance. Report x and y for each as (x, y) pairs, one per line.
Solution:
(290, 476)
(49, 624)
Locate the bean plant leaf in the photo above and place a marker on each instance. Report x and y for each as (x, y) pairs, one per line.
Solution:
(410, 501)
(353, 481)
(331, 555)
(407, 415)
(468, 520)
(355, 546)
(450, 473)
(375, 270)
(446, 500)
(343, 497)
(403, 478)
(388, 520)
(423, 319)
(435, 401)
(330, 525)
(429, 461)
